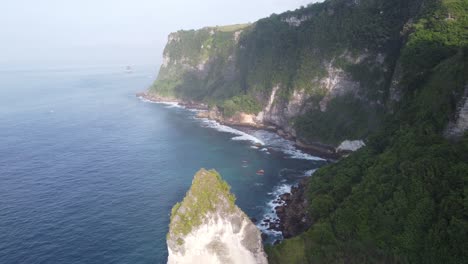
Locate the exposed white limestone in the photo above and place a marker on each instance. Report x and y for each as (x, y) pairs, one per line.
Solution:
(220, 240)
(350, 145)
(166, 61)
(296, 102)
(295, 21)
(458, 127)
(267, 109)
(173, 37)
(201, 66)
(237, 35)
(207, 226)
(337, 83)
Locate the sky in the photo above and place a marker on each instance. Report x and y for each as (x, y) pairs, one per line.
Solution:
(111, 32)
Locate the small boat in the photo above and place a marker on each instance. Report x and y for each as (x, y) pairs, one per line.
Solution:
(260, 172)
(128, 69)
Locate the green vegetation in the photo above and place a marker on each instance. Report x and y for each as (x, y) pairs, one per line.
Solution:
(196, 61)
(232, 28)
(208, 193)
(403, 198)
(403, 204)
(292, 252)
(219, 65)
(276, 52)
(351, 119)
(241, 103)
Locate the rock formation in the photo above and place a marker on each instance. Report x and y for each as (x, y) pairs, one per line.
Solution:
(207, 226)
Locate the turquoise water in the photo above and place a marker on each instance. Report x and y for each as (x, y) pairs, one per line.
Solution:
(89, 172)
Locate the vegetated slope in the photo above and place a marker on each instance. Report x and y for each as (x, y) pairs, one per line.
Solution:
(327, 69)
(390, 71)
(403, 198)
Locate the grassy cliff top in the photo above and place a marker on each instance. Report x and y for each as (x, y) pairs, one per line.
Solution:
(222, 28)
(231, 28)
(208, 193)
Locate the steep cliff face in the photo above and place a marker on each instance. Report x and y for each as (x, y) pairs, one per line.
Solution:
(340, 70)
(200, 64)
(207, 227)
(385, 203)
(300, 63)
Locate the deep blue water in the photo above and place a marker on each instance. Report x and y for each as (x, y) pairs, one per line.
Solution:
(89, 173)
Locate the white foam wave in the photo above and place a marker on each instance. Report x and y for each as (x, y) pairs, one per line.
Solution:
(286, 146)
(309, 172)
(240, 135)
(143, 99)
(283, 188)
(259, 137)
(171, 104)
(271, 212)
(168, 104)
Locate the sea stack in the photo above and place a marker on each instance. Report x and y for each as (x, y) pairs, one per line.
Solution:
(207, 226)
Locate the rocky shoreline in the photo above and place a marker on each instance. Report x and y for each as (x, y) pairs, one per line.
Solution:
(291, 210)
(246, 120)
(293, 218)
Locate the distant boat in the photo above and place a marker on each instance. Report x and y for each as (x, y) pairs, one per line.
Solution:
(260, 172)
(128, 69)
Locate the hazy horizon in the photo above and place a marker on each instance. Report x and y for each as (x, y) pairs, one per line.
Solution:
(54, 33)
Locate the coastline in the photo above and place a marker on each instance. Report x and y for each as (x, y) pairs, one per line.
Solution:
(320, 150)
(288, 215)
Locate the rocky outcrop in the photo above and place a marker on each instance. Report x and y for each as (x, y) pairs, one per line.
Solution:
(207, 226)
(293, 215)
(350, 145)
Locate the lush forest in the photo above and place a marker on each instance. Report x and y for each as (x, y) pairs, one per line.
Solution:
(403, 198)
(362, 40)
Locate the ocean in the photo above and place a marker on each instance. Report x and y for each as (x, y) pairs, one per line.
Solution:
(89, 172)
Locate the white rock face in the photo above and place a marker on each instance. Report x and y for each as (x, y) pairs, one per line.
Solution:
(338, 82)
(457, 128)
(173, 37)
(237, 35)
(218, 241)
(350, 145)
(207, 226)
(295, 21)
(267, 109)
(166, 61)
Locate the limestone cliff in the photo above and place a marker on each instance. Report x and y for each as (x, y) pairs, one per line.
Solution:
(207, 226)
(324, 73)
